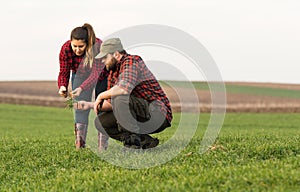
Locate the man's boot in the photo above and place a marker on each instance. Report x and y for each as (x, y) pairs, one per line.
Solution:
(131, 140)
(80, 135)
(148, 142)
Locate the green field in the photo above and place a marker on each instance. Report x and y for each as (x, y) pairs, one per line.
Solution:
(254, 152)
(240, 89)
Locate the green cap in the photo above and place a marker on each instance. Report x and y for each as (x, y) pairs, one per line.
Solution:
(109, 46)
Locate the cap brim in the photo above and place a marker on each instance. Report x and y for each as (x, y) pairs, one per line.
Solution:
(100, 55)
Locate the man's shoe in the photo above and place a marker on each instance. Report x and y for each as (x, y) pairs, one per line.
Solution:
(132, 141)
(148, 142)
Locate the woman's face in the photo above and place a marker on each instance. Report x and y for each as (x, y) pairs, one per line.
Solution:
(78, 46)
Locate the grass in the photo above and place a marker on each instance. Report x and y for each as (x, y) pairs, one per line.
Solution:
(254, 152)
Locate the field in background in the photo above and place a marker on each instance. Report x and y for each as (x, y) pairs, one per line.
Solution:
(241, 97)
(254, 152)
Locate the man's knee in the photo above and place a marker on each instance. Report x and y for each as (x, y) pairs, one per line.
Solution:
(120, 100)
(98, 125)
(107, 119)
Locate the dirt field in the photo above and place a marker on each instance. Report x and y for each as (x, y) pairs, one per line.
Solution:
(44, 93)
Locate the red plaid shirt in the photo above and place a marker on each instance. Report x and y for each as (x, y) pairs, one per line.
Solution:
(69, 61)
(134, 76)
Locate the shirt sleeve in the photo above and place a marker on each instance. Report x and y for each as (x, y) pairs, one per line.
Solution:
(129, 73)
(98, 70)
(64, 71)
(91, 81)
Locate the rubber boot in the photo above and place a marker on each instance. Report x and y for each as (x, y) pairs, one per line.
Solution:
(102, 141)
(80, 135)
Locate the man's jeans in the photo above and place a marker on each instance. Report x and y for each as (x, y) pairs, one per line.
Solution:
(131, 115)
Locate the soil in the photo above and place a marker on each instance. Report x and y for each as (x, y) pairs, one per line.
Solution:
(44, 93)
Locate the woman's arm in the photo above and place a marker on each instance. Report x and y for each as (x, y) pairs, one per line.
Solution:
(64, 69)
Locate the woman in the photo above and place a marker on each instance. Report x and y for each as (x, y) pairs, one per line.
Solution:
(77, 58)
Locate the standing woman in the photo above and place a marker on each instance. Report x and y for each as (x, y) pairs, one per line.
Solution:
(76, 58)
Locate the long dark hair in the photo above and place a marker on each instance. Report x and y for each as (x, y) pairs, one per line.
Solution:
(86, 33)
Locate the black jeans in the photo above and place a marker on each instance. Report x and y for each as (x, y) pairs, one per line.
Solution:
(100, 87)
(131, 115)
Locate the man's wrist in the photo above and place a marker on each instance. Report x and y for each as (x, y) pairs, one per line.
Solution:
(91, 105)
(100, 97)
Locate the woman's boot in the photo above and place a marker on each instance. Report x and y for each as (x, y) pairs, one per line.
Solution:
(102, 141)
(80, 135)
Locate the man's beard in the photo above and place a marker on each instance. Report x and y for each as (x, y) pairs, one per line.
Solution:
(113, 64)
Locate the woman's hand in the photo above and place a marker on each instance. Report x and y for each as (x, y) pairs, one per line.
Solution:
(76, 92)
(63, 91)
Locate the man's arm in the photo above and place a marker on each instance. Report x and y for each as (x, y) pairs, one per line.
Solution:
(83, 105)
(114, 91)
(86, 105)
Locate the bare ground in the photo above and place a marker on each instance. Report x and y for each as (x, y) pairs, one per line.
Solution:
(44, 93)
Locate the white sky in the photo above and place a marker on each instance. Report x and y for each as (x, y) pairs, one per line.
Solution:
(257, 40)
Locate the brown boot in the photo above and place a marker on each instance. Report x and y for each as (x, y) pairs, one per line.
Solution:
(102, 141)
(80, 135)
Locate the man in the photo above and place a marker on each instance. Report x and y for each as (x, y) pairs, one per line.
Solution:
(134, 104)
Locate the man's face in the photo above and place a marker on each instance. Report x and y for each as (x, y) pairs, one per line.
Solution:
(110, 61)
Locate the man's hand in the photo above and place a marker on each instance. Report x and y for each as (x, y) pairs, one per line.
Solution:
(101, 102)
(63, 91)
(96, 104)
(83, 105)
(76, 92)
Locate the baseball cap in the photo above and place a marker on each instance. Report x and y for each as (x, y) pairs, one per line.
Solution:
(109, 46)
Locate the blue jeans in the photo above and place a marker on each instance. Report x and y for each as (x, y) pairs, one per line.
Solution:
(82, 116)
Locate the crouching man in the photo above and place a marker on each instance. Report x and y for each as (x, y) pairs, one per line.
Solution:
(134, 104)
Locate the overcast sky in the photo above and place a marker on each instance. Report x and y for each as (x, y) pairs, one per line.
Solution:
(257, 40)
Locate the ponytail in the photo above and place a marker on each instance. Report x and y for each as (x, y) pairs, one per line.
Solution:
(86, 33)
(89, 52)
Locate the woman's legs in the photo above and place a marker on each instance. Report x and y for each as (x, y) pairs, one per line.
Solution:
(81, 117)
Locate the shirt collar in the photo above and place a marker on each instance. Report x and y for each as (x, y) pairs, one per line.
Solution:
(123, 58)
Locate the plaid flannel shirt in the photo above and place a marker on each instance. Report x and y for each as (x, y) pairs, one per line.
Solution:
(69, 61)
(133, 75)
